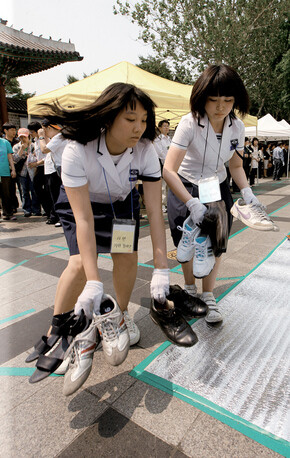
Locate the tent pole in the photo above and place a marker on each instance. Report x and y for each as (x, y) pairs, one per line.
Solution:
(287, 172)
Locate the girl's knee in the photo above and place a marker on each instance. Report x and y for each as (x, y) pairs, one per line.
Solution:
(76, 266)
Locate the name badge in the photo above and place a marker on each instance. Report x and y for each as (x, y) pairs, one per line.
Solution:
(209, 190)
(123, 233)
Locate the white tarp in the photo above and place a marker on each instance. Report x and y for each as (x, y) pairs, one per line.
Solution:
(269, 128)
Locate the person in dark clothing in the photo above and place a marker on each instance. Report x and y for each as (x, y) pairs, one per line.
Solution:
(247, 157)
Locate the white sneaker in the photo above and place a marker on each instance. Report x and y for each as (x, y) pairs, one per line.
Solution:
(204, 260)
(80, 355)
(213, 315)
(253, 215)
(191, 290)
(113, 331)
(185, 249)
(134, 332)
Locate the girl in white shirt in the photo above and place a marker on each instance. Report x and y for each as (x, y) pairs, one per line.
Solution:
(205, 139)
(109, 148)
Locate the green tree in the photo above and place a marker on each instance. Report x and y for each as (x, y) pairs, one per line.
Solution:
(13, 90)
(72, 79)
(249, 35)
(161, 68)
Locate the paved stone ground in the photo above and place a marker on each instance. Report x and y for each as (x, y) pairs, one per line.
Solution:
(113, 414)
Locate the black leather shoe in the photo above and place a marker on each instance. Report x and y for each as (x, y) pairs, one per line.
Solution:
(189, 306)
(172, 323)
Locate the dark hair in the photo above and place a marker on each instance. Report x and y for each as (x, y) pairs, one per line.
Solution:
(87, 123)
(246, 139)
(34, 125)
(255, 138)
(164, 121)
(8, 125)
(223, 81)
(45, 122)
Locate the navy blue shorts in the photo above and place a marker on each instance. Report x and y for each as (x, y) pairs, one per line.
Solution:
(103, 217)
(178, 211)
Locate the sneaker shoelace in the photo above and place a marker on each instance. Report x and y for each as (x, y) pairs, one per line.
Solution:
(71, 351)
(187, 236)
(129, 323)
(109, 328)
(260, 211)
(201, 251)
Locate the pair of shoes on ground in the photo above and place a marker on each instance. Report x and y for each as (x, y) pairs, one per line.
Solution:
(253, 215)
(117, 331)
(194, 244)
(213, 316)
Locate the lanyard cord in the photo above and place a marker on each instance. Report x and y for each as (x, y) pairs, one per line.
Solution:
(111, 198)
(219, 153)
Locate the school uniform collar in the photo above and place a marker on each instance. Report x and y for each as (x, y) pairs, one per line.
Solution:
(106, 161)
(204, 124)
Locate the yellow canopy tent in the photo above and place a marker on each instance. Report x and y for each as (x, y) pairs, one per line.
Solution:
(171, 98)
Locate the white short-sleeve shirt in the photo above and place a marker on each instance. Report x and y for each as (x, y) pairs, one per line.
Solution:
(198, 138)
(93, 164)
(56, 146)
(162, 144)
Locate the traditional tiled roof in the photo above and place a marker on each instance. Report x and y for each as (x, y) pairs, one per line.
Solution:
(16, 105)
(22, 53)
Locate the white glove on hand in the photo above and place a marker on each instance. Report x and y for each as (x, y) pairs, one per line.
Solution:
(90, 298)
(159, 287)
(197, 210)
(249, 197)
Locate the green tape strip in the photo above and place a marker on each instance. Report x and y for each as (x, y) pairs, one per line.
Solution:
(261, 436)
(21, 372)
(14, 267)
(13, 317)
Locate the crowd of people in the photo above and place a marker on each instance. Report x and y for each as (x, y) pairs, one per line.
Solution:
(30, 158)
(83, 167)
(28, 165)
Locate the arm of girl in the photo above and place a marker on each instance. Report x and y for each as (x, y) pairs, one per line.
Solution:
(239, 177)
(160, 279)
(91, 296)
(172, 163)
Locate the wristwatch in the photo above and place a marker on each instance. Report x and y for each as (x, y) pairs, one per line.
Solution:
(41, 138)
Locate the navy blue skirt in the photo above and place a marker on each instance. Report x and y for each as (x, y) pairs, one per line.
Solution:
(178, 211)
(103, 217)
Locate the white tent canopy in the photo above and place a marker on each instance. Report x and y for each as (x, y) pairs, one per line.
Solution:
(269, 128)
(284, 124)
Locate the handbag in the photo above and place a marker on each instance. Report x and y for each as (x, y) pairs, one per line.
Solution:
(18, 165)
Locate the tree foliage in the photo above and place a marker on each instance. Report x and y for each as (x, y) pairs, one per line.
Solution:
(13, 90)
(252, 36)
(161, 68)
(72, 79)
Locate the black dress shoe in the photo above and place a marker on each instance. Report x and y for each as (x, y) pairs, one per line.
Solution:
(172, 323)
(189, 306)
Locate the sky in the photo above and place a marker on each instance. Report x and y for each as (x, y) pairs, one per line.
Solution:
(102, 38)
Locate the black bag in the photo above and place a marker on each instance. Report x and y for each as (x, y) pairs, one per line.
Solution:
(18, 166)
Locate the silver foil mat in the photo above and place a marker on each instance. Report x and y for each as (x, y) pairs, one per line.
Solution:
(243, 366)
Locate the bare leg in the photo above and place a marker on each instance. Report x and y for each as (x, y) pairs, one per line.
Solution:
(70, 285)
(124, 276)
(209, 281)
(188, 273)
